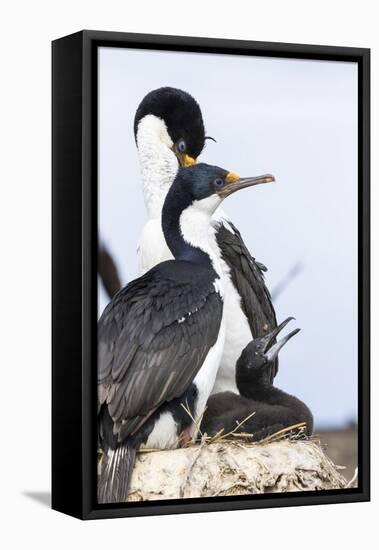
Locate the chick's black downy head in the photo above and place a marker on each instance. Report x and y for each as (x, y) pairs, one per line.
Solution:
(182, 116)
(252, 368)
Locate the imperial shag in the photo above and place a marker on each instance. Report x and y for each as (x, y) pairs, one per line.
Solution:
(162, 336)
(169, 132)
(271, 408)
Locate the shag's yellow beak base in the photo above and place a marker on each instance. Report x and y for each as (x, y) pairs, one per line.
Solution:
(232, 176)
(188, 161)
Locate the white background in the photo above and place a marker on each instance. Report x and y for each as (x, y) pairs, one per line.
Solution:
(27, 28)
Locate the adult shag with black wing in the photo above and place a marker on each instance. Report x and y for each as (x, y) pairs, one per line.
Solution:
(261, 408)
(169, 132)
(161, 337)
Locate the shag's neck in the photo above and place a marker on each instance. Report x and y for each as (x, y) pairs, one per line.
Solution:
(260, 391)
(158, 163)
(188, 232)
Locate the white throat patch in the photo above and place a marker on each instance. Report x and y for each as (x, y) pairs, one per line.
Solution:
(196, 229)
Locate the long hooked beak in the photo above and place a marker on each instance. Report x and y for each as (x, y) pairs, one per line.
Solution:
(269, 339)
(273, 352)
(272, 349)
(235, 183)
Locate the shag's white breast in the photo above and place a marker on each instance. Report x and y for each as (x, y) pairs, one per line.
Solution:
(237, 336)
(205, 378)
(164, 434)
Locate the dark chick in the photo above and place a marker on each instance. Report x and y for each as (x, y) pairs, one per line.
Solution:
(273, 408)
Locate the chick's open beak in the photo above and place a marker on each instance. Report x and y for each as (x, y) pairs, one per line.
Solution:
(273, 352)
(272, 348)
(234, 183)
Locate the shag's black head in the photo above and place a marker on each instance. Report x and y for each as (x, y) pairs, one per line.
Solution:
(203, 187)
(200, 181)
(252, 365)
(182, 116)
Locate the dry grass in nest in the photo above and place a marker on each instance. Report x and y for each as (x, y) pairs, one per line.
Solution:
(292, 433)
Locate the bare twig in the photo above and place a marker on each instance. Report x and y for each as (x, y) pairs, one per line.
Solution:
(287, 279)
(239, 424)
(283, 432)
(198, 420)
(191, 466)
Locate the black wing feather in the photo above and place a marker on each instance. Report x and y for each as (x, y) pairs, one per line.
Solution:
(150, 348)
(247, 277)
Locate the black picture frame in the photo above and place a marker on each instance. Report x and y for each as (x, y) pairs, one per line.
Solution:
(74, 272)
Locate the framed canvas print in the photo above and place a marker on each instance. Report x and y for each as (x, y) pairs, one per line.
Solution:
(210, 275)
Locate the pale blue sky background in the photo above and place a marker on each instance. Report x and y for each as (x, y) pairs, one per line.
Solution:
(295, 119)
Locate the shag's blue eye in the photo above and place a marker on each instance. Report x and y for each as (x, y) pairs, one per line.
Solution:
(218, 182)
(181, 146)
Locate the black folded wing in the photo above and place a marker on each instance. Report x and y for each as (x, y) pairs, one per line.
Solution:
(152, 340)
(247, 277)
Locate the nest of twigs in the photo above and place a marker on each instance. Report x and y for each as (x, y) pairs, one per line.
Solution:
(233, 464)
